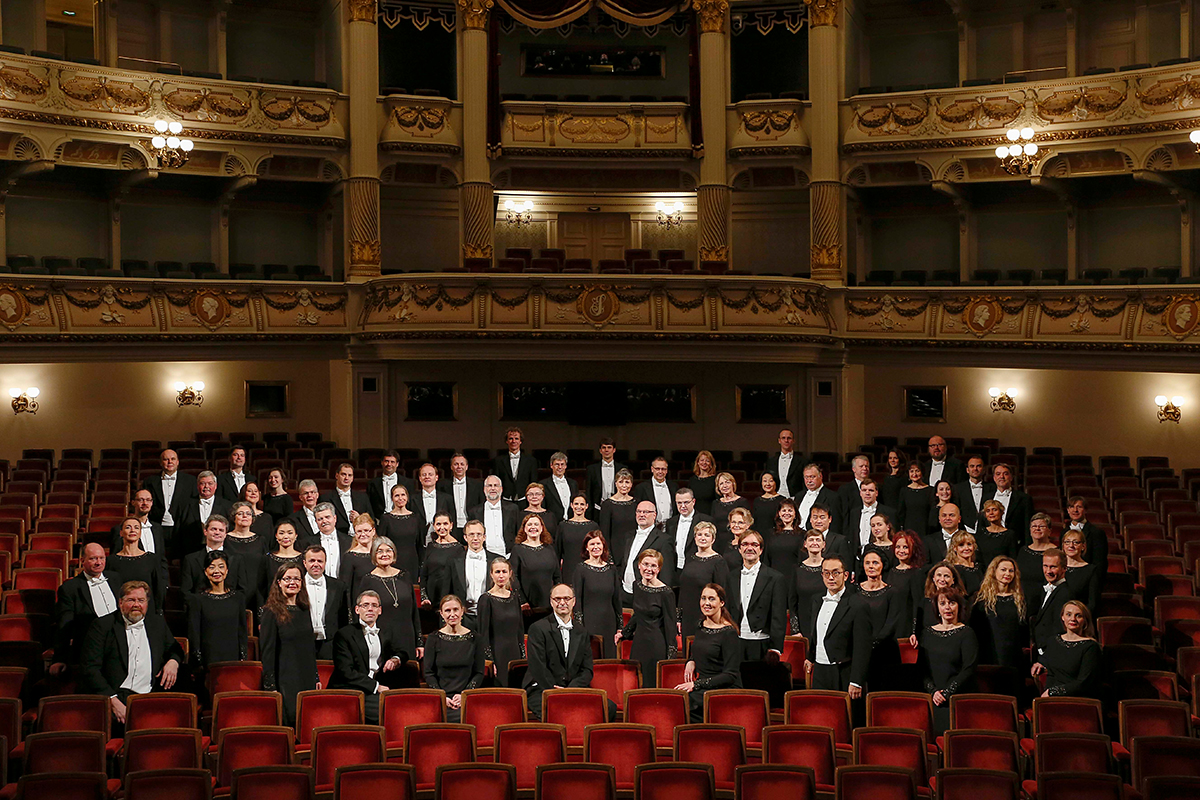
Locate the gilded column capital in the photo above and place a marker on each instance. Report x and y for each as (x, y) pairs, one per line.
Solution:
(712, 15)
(822, 12)
(475, 13)
(362, 11)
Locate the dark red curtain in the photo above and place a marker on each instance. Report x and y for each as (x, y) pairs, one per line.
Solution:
(552, 13)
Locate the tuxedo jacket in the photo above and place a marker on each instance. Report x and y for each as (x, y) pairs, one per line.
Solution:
(474, 495)
(1097, 546)
(351, 658)
(827, 498)
(767, 610)
(358, 501)
(964, 498)
(1020, 512)
(510, 518)
(671, 527)
(794, 480)
(935, 546)
(444, 504)
(645, 491)
(837, 546)
(74, 613)
(193, 580)
(955, 471)
(161, 543)
(376, 497)
(344, 542)
(227, 488)
(104, 663)
(849, 501)
(337, 610)
(189, 528)
(595, 486)
(185, 490)
(554, 503)
(549, 665)
(658, 540)
(1046, 620)
(305, 532)
(458, 580)
(514, 487)
(848, 637)
(850, 529)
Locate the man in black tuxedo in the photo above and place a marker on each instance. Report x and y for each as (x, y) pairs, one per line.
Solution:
(305, 520)
(681, 528)
(658, 490)
(841, 649)
(648, 535)
(464, 492)
(192, 578)
(940, 467)
(937, 543)
(231, 481)
(857, 530)
(756, 597)
(172, 491)
(153, 539)
(1045, 608)
(428, 502)
(815, 491)
(1018, 506)
(849, 499)
(129, 652)
(472, 571)
(969, 495)
(602, 477)
(559, 651)
(379, 490)
(81, 601)
(785, 465)
(327, 599)
(516, 469)
(196, 513)
(559, 488)
(500, 518)
(362, 653)
(330, 539)
(347, 504)
(1095, 539)
(836, 545)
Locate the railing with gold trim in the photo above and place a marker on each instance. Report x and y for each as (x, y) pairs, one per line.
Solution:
(618, 130)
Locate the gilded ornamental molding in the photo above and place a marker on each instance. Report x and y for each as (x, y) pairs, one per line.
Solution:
(711, 14)
(611, 127)
(475, 13)
(362, 10)
(822, 12)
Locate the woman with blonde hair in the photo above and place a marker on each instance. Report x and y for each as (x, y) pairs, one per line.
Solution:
(737, 523)
(703, 482)
(961, 554)
(702, 566)
(1071, 661)
(617, 512)
(1083, 578)
(654, 624)
(1000, 616)
(727, 500)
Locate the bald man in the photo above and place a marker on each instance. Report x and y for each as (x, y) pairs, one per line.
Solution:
(81, 600)
(172, 491)
(941, 467)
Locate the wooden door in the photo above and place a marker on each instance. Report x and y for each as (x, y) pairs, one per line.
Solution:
(594, 236)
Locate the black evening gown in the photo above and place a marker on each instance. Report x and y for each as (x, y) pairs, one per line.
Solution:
(549, 520)
(437, 571)
(949, 660)
(718, 656)
(535, 571)
(502, 626)
(250, 552)
(264, 526)
(1072, 668)
(705, 490)
(146, 567)
(889, 492)
(1029, 563)
(989, 545)
(289, 659)
(1001, 633)
(885, 553)
(270, 567)
(914, 509)
(884, 607)
(806, 584)
(453, 664)
(408, 536)
(352, 569)
(569, 544)
(216, 627)
(400, 617)
(764, 510)
(932, 522)
(720, 517)
(652, 629)
(901, 581)
(617, 519)
(278, 506)
(971, 577)
(697, 573)
(598, 603)
(1084, 583)
(784, 550)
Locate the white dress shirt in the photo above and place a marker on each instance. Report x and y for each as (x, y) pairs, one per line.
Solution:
(347, 502)
(1003, 497)
(936, 468)
(976, 493)
(239, 480)
(608, 479)
(168, 490)
(139, 676)
(806, 504)
(476, 568)
(312, 519)
(374, 651)
(785, 467)
(564, 494)
(458, 487)
(682, 534)
(1049, 590)
(103, 601)
(316, 604)
(829, 604)
(662, 499)
(147, 538)
(639, 539)
(1077, 525)
(514, 461)
(864, 525)
(333, 552)
(429, 502)
(749, 577)
(947, 536)
(206, 509)
(388, 482)
(493, 526)
(564, 630)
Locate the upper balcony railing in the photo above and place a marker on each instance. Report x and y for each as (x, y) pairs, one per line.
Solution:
(767, 128)
(420, 124)
(595, 130)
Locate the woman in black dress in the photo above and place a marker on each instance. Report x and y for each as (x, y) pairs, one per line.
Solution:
(884, 607)
(1083, 579)
(453, 657)
(894, 481)
(703, 482)
(737, 523)
(216, 618)
(617, 512)
(908, 554)
(1029, 559)
(961, 555)
(916, 498)
(404, 528)
(264, 523)
(401, 617)
(501, 623)
(598, 591)
(727, 500)
(535, 567)
(941, 576)
(356, 560)
(991, 537)
(716, 657)
(785, 541)
(572, 536)
(285, 641)
(766, 506)
(278, 503)
(943, 493)
(1000, 616)
(1071, 661)
(535, 495)
(949, 654)
(701, 568)
(247, 546)
(437, 571)
(132, 563)
(654, 625)
(881, 543)
(285, 553)
(806, 584)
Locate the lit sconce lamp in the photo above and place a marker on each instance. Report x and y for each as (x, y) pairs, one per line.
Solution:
(518, 213)
(1018, 158)
(1168, 410)
(24, 399)
(170, 150)
(189, 393)
(1002, 399)
(669, 216)
(1195, 137)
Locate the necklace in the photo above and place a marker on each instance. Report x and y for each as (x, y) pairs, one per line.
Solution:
(391, 589)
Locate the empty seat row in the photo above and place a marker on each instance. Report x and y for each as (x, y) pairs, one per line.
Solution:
(1027, 277)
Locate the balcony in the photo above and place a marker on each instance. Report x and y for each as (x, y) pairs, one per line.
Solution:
(420, 124)
(772, 128)
(657, 130)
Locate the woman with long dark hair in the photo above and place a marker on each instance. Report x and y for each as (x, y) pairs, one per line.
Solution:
(285, 641)
(598, 592)
(572, 538)
(277, 502)
(785, 540)
(716, 657)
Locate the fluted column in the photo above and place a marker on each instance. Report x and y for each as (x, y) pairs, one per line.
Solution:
(362, 187)
(826, 192)
(713, 194)
(476, 190)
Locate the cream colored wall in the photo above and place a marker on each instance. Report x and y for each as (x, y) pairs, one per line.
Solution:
(109, 404)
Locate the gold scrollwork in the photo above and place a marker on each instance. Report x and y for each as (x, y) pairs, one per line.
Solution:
(117, 96)
(594, 130)
(476, 250)
(976, 113)
(828, 255)
(365, 252)
(1180, 91)
(221, 104)
(822, 12)
(16, 82)
(475, 13)
(280, 109)
(362, 10)
(711, 14)
(718, 253)
(420, 121)
(771, 121)
(598, 305)
(1098, 101)
(891, 116)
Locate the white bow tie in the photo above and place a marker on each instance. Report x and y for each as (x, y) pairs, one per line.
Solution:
(97, 581)
(135, 626)
(1003, 492)
(480, 556)
(748, 572)
(311, 581)
(1076, 526)
(830, 599)
(372, 631)
(563, 627)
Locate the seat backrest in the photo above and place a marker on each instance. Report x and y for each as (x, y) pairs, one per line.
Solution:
(900, 710)
(723, 746)
(1072, 752)
(1066, 715)
(477, 781)
(176, 783)
(487, 708)
(575, 709)
(319, 708)
(64, 751)
(528, 744)
(676, 780)
(967, 783)
(429, 744)
(742, 707)
(63, 786)
(983, 711)
(576, 781)
(875, 782)
(662, 708)
(399, 708)
(829, 709)
(336, 746)
(374, 781)
(616, 676)
(625, 745)
(892, 747)
(983, 749)
(261, 745)
(74, 712)
(1153, 718)
(276, 782)
(807, 745)
(1163, 755)
(162, 710)
(161, 748)
(240, 709)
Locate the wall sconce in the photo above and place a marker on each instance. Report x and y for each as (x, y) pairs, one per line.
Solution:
(1168, 410)
(1018, 158)
(168, 147)
(24, 399)
(1195, 137)
(1002, 399)
(189, 393)
(668, 216)
(518, 213)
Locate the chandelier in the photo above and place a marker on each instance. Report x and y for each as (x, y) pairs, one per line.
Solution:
(167, 146)
(518, 213)
(1018, 158)
(668, 216)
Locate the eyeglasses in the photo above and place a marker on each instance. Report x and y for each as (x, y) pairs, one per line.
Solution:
(750, 546)
(560, 600)
(831, 573)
